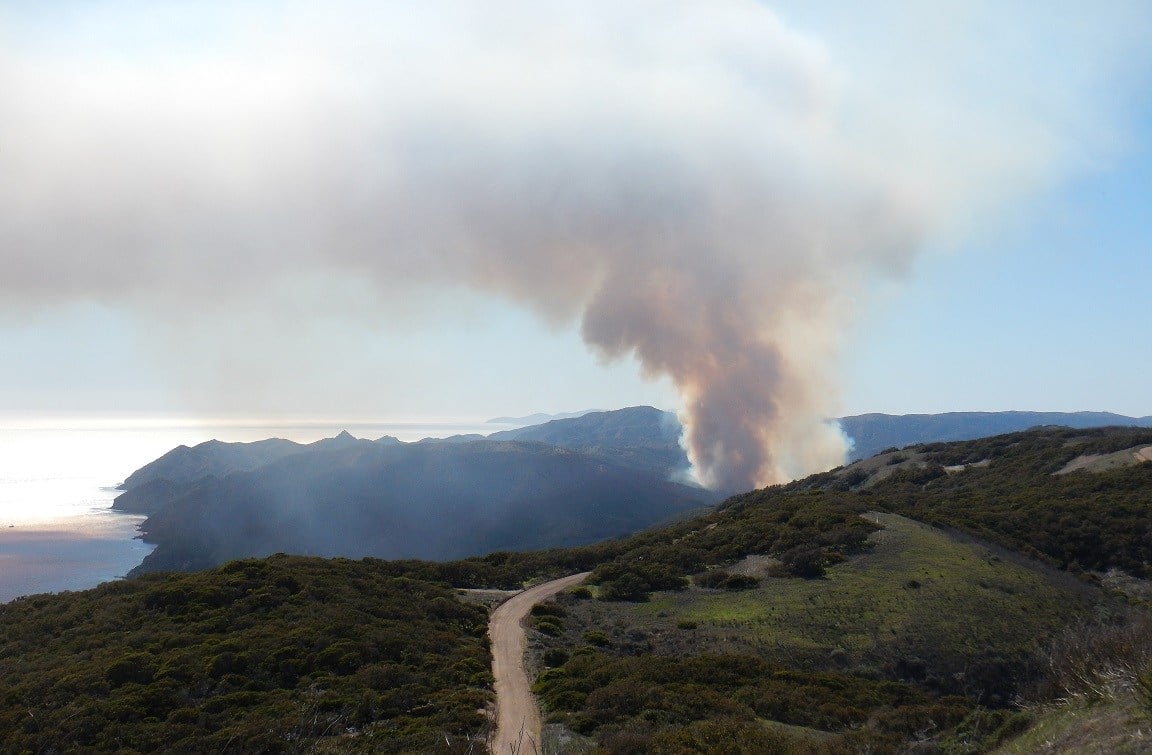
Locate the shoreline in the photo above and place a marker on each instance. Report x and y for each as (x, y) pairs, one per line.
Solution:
(69, 554)
(58, 530)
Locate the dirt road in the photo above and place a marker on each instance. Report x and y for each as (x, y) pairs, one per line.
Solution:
(517, 717)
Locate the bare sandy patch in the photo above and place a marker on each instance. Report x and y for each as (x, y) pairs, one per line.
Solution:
(1104, 462)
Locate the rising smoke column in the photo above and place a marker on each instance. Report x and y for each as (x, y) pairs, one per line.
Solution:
(699, 184)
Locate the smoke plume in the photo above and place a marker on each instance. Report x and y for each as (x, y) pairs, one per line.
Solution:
(706, 188)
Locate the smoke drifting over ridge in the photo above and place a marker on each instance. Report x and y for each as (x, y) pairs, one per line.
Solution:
(705, 187)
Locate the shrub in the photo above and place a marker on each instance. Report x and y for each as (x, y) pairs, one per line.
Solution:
(548, 609)
(721, 580)
(597, 638)
(804, 561)
(728, 736)
(134, 667)
(1144, 686)
(1088, 657)
(626, 587)
(554, 657)
(121, 671)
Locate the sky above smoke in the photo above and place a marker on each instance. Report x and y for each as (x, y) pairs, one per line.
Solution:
(710, 191)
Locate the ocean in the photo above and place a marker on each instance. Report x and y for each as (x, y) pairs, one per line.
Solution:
(58, 479)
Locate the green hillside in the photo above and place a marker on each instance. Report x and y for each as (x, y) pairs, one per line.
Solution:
(284, 654)
(1012, 489)
(917, 604)
(921, 625)
(949, 598)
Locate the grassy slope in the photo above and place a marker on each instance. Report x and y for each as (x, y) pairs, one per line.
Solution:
(812, 665)
(1118, 726)
(967, 598)
(929, 606)
(971, 611)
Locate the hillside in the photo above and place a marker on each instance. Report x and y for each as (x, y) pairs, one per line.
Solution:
(832, 588)
(869, 434)
(562, 483)
(946, 622)
(1014, 489)
(212, 458)
(420, 500)
(640, 437)
(636, 436)
(949, 597)
(280, 655)
(966, 625)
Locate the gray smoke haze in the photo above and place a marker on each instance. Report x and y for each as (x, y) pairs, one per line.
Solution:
(705, 187)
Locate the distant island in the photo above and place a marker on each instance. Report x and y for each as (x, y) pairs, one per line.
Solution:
(537, 418)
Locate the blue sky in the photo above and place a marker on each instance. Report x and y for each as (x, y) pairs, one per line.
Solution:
(1041, 303)
(1049, 312)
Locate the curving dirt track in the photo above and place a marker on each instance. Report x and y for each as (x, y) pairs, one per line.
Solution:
(517, 717)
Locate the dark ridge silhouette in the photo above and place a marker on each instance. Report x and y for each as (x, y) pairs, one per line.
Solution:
(421, 500)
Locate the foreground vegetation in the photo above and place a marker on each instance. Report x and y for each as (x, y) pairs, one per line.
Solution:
(920, 637)
(965, 624)
(1098, 695)
(284, 654)
(806, 532)
(637, 703)
(946, 597)
(918, 606)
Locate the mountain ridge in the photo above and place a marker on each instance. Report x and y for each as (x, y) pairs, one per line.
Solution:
(649, 436)
(419, 500)
(236, 494)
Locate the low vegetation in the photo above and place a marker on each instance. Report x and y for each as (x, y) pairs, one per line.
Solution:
(1097, 696)
(807, 532)
(285, 654)
(637, 699)
(919, 636)
(943, 598)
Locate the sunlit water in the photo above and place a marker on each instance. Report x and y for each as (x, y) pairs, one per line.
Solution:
(57, 483)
